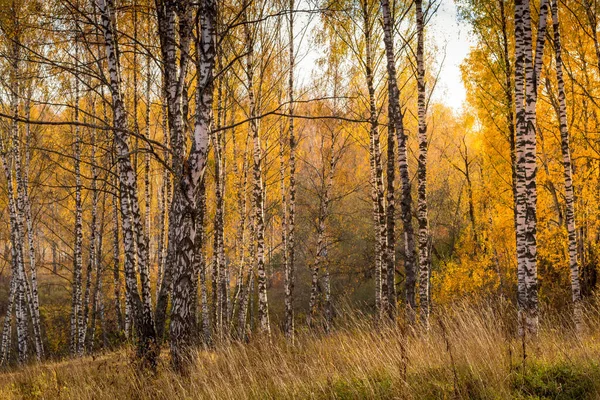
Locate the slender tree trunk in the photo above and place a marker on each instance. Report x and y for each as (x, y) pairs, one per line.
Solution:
(390, 217)
(7, 327)
(131, 221)
(381, 279)
(406, 198)
(245, 317)
(327, 175)
(27, 215)
(422, 217)
(167, 270)
(116, 263)
(23, 217)
(319, 257)
(328, 307)
(200, 260)
(263, 305)
(18, 267)
(526, 75)
(241, 236)
(218, 140)
(288, 224)
(568, 175)
(147, 187)
(93, 261)
(77, 322)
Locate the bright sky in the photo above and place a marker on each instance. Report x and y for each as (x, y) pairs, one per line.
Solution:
(454, 41)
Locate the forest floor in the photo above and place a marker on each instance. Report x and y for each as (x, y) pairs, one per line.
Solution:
(469, 353)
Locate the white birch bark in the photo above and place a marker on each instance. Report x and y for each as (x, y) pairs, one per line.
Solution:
(289, 212)
(23, 218)
(382, 303)
(526, 76)
(18, 267)
(406, 199)
(422, 212)
(390, 214)
(131, 221)
(200, 261)
(568, 175)
(263, 306)
(327, 174)
(221, 307)
(183, 315)
(7, 326)
(97, 299)
(175, 32)
(77, 328)
(242, 202)
(116, 263)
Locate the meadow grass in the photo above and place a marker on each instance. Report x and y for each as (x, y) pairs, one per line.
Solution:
(467, 353)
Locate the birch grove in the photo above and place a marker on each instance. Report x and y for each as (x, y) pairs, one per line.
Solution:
(178, 176)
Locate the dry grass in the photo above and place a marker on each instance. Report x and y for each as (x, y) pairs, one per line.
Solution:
(466, 354)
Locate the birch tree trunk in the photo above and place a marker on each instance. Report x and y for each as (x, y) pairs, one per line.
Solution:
(18, 265)
(147, 187)
(116, 263)
(23, 218)
(390, 216)
(222, 283)
(246, 291)
(568, 175)
(175, 27)
(77, 327)
(97, 301)
(377, 195)
(200, 262)
(263, 305)
(242, 201)
(183, 316)
(406, 198)
(288, 229)
(7, 327)
(27, 215)
(167, 270)
(132, 228)
(422, 215)
(163, 207)
(92, 262)
(526, 75)
(321, 254)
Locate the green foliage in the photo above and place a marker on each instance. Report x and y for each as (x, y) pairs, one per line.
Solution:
(557, 381)
(378, 386)
(439, 383)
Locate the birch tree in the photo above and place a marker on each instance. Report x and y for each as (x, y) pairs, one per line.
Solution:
(77, 327)
(406, 197)
(568, 174)
(134, 242)
(183, 316)
(257, 191)
(290, 219)
(382, 301)
(526, 76)
(422, 214)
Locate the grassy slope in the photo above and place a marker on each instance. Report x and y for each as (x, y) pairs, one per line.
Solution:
(467, 355)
